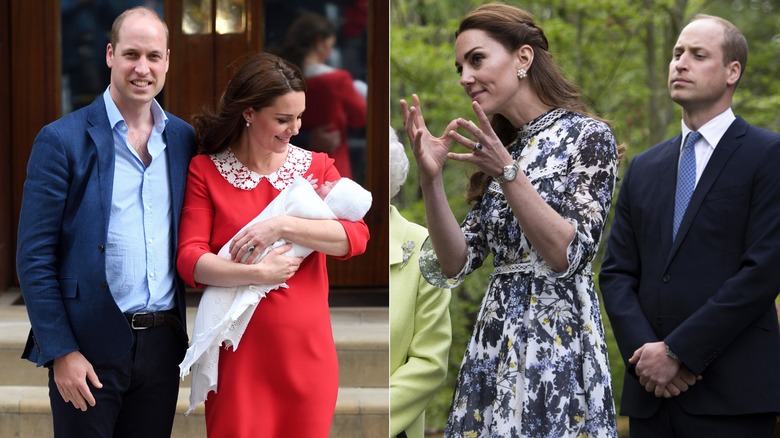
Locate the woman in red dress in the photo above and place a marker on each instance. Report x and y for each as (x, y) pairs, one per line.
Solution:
(283, 381)
(335, 102)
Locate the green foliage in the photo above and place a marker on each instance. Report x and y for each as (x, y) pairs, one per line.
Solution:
(616, 51)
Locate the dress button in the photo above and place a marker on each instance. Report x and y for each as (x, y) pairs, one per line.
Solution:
(104, 285)
(666, 278)
(101, 248)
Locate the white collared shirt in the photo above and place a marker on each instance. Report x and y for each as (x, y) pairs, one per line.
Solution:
(711, 133)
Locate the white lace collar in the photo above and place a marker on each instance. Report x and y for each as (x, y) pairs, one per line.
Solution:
(540, 123)
(241, 177)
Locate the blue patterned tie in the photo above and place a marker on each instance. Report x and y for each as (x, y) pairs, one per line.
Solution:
(686, 180)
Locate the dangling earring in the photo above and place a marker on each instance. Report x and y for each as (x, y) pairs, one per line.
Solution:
(248, 123)
(521, 73)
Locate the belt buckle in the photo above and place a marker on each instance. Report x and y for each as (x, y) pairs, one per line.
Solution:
(132, 320)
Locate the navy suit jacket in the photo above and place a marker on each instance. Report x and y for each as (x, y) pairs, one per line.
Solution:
(709, 294)
(63, 229)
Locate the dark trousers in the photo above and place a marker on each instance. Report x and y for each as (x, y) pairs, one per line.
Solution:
(139, 393)
(671, 421)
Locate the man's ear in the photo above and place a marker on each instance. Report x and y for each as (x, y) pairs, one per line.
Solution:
(734, 70)
(109, 55)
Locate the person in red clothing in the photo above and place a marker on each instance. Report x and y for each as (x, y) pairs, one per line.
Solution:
(283, 381)
(334, 99)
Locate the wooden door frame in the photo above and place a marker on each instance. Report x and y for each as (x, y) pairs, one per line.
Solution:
(377, 137)
(31, 103)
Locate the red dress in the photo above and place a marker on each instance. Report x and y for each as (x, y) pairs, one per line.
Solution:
(282, 381)
(332, 100)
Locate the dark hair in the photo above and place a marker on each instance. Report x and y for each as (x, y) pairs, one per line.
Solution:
(136, 10)
(302, 37)
(735, 45)
(256, 84)
(513, 28)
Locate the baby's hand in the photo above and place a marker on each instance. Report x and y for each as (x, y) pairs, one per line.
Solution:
(312, 180)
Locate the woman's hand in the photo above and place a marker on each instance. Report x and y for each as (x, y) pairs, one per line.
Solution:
(254, 239)
(277, 267)
(492, 156)
(274, 268)
(429, 151)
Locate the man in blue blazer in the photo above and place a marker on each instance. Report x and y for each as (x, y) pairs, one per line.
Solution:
(693, 311)
(96, 247)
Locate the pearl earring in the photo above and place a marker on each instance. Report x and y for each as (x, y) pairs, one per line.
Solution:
(521, 73)
(248, 123)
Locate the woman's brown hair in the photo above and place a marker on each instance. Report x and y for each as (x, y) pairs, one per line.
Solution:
(256, 84)
(513, 28)
(303, 36)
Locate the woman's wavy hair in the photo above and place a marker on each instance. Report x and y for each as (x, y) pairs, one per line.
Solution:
(257, 83)
(513, 28)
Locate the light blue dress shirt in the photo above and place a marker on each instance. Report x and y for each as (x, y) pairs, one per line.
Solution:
(139, 256)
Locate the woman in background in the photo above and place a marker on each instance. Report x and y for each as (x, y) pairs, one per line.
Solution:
(333, 101)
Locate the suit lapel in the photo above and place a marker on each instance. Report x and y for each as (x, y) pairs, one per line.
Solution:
(729, 143)
(103, 139)
(177, 160)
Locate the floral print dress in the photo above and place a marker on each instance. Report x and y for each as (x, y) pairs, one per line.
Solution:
(536, 364)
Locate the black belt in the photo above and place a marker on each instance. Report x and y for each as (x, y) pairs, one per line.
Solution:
(145, 320)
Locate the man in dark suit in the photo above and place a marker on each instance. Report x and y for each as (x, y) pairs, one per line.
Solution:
(691, 295)
(96, 247)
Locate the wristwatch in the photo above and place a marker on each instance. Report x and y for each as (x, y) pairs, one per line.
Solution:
(671, 354)
(509, 173)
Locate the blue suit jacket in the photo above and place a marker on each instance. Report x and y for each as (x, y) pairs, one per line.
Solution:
(63, 229)
(709, 293)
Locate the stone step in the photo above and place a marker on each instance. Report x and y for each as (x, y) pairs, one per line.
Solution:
(361, 335)
(360, 413)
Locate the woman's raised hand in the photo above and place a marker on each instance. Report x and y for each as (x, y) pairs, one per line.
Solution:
(429, 151)
(490, 156)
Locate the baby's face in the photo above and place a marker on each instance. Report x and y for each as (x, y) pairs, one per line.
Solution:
(325, 188)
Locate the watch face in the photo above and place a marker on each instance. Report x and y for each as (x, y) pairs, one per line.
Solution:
(508, 173)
